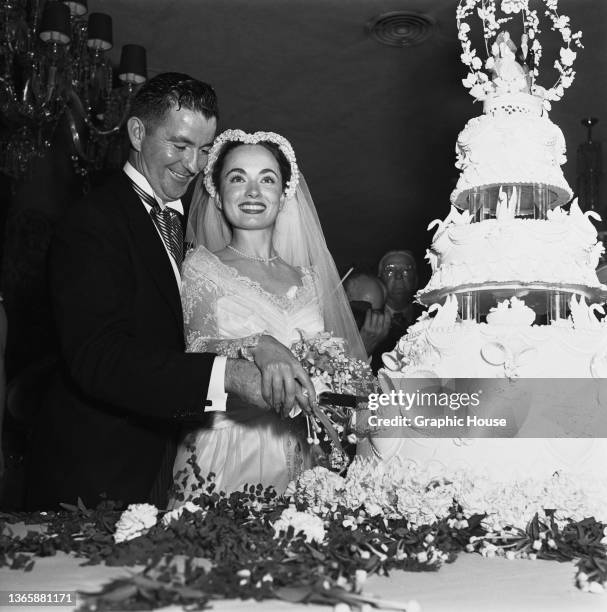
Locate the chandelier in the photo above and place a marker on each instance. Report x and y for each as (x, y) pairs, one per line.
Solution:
(54, 67)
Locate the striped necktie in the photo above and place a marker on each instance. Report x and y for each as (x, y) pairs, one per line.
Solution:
(168, 222)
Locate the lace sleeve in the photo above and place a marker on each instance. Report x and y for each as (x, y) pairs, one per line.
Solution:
(200, 290)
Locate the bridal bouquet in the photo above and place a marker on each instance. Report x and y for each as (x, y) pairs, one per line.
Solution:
(342, 384)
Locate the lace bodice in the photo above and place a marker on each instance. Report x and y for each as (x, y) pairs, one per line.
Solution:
(221, 304)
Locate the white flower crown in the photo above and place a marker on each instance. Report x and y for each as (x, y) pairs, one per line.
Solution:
(479, 83)
(239, 136)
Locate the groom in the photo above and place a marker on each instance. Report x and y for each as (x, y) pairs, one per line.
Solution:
(126, 386)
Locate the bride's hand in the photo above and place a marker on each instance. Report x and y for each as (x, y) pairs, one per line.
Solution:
(284, 382)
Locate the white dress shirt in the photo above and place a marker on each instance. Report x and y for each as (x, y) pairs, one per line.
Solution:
(216, 391)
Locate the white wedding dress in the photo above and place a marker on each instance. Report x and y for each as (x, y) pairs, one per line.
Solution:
(244, 445)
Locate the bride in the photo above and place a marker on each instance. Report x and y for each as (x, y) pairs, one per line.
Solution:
(260, 267)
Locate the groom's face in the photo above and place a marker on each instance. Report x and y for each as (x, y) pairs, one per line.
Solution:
(171, 152)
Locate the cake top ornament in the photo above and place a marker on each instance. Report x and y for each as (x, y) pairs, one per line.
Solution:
(508, 67)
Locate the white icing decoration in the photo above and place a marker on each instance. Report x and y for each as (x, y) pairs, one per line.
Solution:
(598, 364)
(512, 145)
(446, 314)
(494, 353)
(511, 312)
(560, 351)
(506, 206)
(583, 315)
(561, 250)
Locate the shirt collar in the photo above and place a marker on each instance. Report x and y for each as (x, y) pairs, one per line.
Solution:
(145, 186)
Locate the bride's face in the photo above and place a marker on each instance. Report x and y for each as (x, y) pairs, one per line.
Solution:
(250, 187)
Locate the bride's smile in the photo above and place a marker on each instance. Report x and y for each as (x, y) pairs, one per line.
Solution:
(252, 208)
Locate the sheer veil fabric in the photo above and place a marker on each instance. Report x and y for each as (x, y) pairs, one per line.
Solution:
(298, 240)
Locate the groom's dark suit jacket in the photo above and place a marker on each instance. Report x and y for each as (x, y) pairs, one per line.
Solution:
(125, 381)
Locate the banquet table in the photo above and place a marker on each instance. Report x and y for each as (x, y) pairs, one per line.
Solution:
(470, 584)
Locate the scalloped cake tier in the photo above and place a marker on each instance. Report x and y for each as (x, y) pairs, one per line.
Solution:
(479, 350)
(560, 251)
(511, 144)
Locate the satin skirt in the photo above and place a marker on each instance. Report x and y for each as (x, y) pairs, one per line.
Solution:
(242, 447)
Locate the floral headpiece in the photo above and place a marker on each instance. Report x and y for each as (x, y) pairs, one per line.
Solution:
(514, 68)
(239, 136)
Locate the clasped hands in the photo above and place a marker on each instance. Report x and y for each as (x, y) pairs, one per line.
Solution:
(275, 378)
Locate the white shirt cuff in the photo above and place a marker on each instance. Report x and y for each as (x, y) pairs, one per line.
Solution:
(216, 392)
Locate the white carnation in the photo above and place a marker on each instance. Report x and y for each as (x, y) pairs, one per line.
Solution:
(135, 521)
(302, 522)
(318, 487)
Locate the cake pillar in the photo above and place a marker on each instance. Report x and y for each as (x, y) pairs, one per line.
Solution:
(541, 201)
(557, 306)
(468, 306)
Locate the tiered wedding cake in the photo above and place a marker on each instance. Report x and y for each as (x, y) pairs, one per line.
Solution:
(514, 292)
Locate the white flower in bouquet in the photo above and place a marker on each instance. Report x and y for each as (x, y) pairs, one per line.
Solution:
(478, 92)
(175, 514)
(370, 484)
(514, 504)
(319, 487)
(135, 521)
(470, 80)
(424, 506)
(373, 499)
(302, 522)
(504, 504)
(574, 498)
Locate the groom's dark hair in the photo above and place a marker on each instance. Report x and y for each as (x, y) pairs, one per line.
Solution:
(169, 89)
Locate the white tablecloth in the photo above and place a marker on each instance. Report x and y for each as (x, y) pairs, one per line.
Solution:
(470, 584)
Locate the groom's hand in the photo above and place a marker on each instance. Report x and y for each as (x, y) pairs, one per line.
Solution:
(284, 382)
(243, 379)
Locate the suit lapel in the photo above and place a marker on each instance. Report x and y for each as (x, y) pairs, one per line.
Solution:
(150, 247)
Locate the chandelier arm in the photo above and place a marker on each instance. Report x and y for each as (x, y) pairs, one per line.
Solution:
(76, 135)
(22, 107)
(79, 107)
